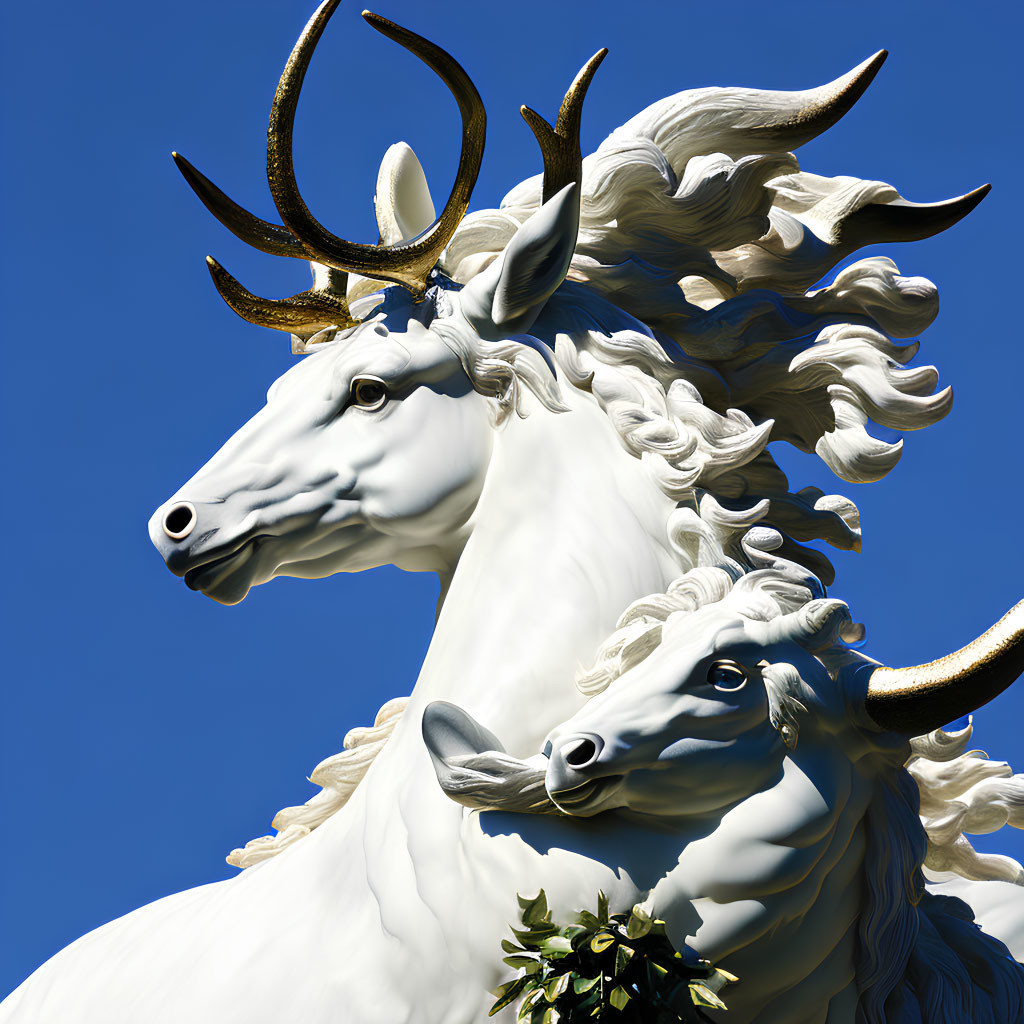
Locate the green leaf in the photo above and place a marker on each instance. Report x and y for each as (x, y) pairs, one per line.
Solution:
(639, 923)
(703, 996)
(602, 907)
(622, 957)
(530, 964)
(588, 920)
(581, 985)
(531, 937)
(510, 947)
(555, 987)
(556, 947)
(535, 911)
(619, 997)
(660, 982)
(551, 1016)
(506, 994)
(530, 1002)
(601, 941)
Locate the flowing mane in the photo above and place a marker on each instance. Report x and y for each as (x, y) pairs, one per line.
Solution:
(692, 312)
(691, 315)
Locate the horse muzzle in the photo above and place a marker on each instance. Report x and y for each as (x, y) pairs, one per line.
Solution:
(571, 781)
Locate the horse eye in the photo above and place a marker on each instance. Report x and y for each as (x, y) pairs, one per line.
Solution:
(369, 393)
(726, 676)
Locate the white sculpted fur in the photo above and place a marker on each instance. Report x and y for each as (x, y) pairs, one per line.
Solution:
(576, 411)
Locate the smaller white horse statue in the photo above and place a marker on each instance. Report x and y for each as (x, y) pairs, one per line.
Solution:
(777, 755)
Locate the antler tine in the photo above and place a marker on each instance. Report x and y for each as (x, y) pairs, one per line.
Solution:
(261, 234)
(560, 146)
(322, 306)
(303, 314)
(408, 263)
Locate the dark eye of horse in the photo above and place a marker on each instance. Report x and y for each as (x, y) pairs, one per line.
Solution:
(369, 393)
(726, 676)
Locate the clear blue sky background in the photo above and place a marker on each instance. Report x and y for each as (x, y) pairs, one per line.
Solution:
(146, 730)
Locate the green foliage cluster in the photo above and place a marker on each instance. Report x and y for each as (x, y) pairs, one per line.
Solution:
(618, 968)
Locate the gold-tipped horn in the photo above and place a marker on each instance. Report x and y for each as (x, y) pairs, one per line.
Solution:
(902, 221)
(304, 314)
(814, 111)
(560, 146)
(408, 263)
(919, 699)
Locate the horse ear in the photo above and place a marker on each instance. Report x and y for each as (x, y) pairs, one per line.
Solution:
(507, 297)
(402, 202)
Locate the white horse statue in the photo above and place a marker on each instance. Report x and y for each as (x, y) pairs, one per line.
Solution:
(777, 754)
(558, 406)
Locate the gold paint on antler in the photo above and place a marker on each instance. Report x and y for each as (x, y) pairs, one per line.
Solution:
(302, 236)
(408, 263)
(919, 699)
(260, 234)
(560, 146)
(303, 314)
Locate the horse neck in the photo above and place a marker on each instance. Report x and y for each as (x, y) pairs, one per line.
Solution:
(568, 531)
(778, 888)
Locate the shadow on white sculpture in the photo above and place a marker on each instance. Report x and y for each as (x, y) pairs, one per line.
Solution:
(560, 406)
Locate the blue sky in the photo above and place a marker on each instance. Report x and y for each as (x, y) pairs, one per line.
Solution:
(146, 730)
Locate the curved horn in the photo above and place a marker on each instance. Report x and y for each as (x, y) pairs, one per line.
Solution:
(407, 264)
(261, 234)
(919, 699)
(303, 314)
(813, 111)
(902, 221)
(560, 146)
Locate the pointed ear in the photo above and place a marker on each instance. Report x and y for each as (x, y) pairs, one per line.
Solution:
(508, 296)
(402, 202)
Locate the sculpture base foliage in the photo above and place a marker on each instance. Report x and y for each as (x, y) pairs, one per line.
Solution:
(604, 967)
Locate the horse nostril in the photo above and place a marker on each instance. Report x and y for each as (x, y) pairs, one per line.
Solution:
(581, 752)
(180, 520)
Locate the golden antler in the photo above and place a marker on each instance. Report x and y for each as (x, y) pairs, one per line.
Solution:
(560, 146)
(406, 263)
(303, 314)
(302, 236)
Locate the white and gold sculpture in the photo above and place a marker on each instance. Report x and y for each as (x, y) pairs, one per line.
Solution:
(563, 407)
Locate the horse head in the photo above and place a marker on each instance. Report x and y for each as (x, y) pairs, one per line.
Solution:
(709, 716)
(374, 449)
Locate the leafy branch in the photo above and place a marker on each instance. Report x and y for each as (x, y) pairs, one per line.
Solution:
(617, 968)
